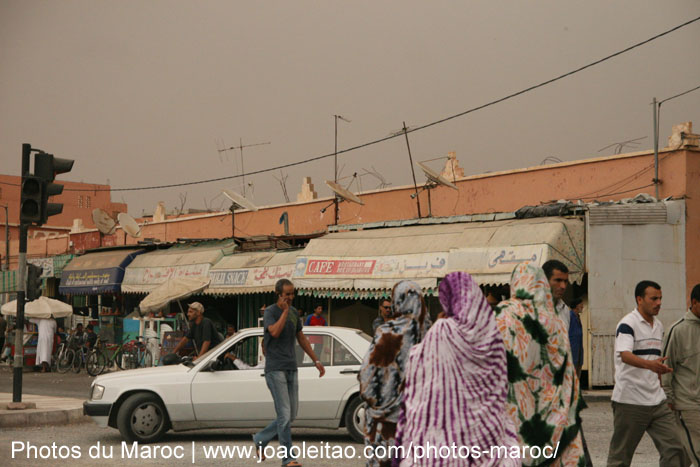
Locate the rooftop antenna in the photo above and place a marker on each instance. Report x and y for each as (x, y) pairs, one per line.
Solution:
(240, 147)
(620, 146)
(434, 179)
(129, 225)
(376, 174)
(237, 200)
(283, 183)
(335, 161)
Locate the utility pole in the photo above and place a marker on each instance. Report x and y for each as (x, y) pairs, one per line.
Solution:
(6, 266)
(656, 147)
(240, 147)
(413, 172)
(335, 163)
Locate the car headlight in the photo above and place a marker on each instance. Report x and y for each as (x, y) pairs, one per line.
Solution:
(97, 392)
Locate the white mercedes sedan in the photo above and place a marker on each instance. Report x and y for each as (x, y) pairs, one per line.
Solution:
(225, 388)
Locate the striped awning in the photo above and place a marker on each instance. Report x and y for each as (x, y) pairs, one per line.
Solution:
(8, 281)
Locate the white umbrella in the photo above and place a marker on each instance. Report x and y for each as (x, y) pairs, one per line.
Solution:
(42, 307)
(172, 289)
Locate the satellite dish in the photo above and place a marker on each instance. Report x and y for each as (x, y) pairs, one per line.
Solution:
(103, 221)
(343, 193)
(129, 225)
(240, 200)
(436, 177)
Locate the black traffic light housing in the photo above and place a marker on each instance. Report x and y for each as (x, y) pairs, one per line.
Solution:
(34, 281)
(31, 199)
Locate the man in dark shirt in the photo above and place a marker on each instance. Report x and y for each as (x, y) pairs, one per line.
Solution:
(202, 331)
(282, 327)
(90, 337)
(385, 314)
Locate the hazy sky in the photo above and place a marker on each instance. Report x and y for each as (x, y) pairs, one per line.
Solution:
(142, 93)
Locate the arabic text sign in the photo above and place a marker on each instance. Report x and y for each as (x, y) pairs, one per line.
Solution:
(158, 275)
(495, 260)
(45, 263)
(90, 278)
(399, 266)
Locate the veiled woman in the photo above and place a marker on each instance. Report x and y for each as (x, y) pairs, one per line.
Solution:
(457, 384)
(544, 398)
(382, 374)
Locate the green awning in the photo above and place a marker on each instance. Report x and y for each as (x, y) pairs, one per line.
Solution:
(59, 262)
(8, 281)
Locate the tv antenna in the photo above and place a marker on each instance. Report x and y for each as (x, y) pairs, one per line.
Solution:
(237, 201)
(631, 143)
(283, 184)
(342, 194)
(434, 179)
(240, 147)
(129, 225)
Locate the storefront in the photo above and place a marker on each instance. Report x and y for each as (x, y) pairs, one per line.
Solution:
(356, 268)
(191, 260)
(93, 284)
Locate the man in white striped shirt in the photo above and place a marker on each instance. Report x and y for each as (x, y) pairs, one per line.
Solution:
(639, 403)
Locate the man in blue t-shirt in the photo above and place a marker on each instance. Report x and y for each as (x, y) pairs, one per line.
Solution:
(282, 326)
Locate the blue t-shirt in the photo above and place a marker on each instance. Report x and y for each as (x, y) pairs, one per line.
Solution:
(279, 351)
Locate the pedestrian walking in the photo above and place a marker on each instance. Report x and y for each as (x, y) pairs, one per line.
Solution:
(576, 334)
(44, 347)
(682, 385)
(544, 398)
(457, 383)
(558, 277)
(383, 367)
(638, 401)
(282, 327)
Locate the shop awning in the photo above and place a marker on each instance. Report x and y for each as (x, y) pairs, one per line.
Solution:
(96, 273)
(8, 281)
(254, 272)
(150, 270)
(375, 259)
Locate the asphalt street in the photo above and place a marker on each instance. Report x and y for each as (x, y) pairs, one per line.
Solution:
(78, 439)
(48, 384)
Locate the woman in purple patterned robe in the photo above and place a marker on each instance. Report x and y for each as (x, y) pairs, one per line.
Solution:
(457, 383)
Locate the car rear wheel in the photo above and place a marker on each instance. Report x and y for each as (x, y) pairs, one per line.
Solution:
(355, 419)
(142, 417)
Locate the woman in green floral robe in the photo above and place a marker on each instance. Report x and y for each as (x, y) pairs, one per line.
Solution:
(544, 398)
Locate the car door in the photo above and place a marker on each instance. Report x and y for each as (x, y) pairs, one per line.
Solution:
(321, 398)
(237, 396)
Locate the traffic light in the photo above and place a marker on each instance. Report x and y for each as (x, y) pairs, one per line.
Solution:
(31, 199)
(34, 281)
(46, 167)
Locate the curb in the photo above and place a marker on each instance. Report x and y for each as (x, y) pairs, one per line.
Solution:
(593, 397)
(42, 418)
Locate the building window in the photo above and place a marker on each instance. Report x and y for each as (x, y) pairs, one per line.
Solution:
(87, 202)
(80, 201)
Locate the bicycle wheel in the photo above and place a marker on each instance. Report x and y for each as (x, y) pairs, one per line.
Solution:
(78, 360)
(119, 359)
(65, 362)
(95, 363)
(56, 357)
(147, 359)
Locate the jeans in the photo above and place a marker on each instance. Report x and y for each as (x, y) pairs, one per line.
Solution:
(284, 386)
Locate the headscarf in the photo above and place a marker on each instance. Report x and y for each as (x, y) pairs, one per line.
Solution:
(543, 394)
(382, 374)
(456, 382)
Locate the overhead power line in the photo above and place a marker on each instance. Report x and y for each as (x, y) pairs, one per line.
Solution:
(422, 127)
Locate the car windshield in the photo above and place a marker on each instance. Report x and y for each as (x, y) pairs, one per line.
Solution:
(225, 342)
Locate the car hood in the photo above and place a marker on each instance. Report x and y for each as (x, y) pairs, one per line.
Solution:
(143, 374)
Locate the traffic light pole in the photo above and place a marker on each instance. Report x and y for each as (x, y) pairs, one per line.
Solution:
(21, 290)
(19, 322)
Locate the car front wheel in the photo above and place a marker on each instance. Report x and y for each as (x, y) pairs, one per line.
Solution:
(142, 417)
(355, 419)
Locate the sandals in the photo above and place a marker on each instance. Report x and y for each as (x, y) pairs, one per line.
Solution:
(258, 450)
(293, 464)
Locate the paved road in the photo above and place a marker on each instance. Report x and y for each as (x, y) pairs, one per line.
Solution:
(48, 384)
(597, 424)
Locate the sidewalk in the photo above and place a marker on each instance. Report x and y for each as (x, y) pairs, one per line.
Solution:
(597, 395)
(49, 411)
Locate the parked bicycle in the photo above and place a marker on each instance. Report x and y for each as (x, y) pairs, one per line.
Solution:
(106, 356)
(64, 359)
(137, 354)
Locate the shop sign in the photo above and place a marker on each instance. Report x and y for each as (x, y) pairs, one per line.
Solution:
(95, 277)
(45, 263)
(399, 266)
(158, 275)
(252, 277)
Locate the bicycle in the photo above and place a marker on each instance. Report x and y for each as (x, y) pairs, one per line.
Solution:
(100, 359)
(137, 355)
(64, 362)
